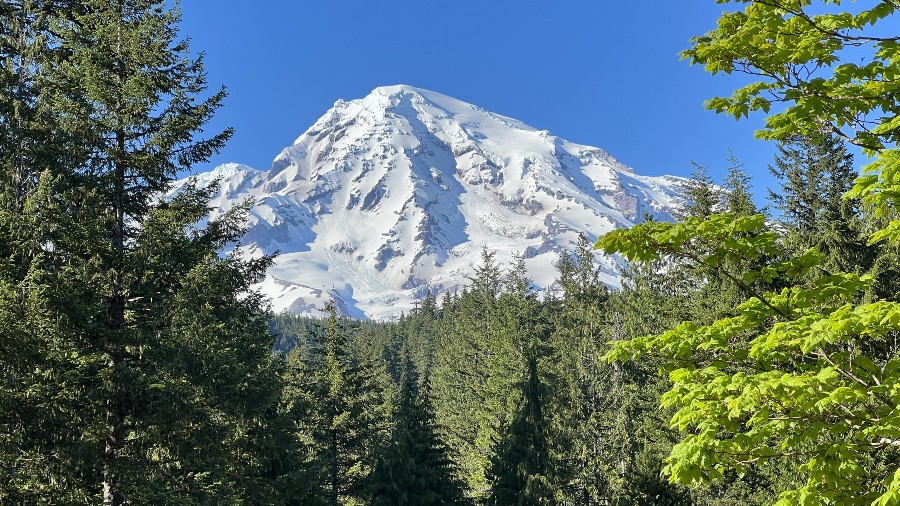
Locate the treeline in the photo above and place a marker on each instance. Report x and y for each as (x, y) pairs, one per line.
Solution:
(495, 396)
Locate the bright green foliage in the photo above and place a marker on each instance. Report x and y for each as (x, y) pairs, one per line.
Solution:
(826, 69)
(802, 374)
(640, 437)
(785, 378)
(796, 48)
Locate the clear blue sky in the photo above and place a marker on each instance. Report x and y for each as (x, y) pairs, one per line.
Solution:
(601, 73)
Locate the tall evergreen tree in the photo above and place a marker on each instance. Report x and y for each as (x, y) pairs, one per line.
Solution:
(581, 392)
(342, 419)
(815, 171)
(155, 370)
(522, 473)
(462, 365)
(703, 197)
(738, 195)
(416, 469)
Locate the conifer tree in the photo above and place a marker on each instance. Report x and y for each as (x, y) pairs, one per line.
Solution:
(703, 197)
(415, 470)
(343, 418)
(155, 368)
(462, 371)
(815, 172)
(580, 388)
(522, 472)
(738, 195)
(480, 360)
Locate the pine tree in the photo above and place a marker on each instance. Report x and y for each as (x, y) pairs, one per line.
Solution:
(416, 469)
(521, 472)
(155, 371)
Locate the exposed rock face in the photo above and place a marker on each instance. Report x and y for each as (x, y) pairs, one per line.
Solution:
(391, 196)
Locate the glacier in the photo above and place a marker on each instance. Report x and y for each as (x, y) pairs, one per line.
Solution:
(393, 196)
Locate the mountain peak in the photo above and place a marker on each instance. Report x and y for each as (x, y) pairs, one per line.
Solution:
(392, 196)
(400, 89)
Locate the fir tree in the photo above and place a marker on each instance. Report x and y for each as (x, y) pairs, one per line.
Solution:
(738, 196)
(153, 366)
(703, 197)
(416, 469)
(521, 472)
(462, 370)
(815, 172)
(341, 413)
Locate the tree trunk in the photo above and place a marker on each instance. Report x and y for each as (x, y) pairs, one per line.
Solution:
(116, 427)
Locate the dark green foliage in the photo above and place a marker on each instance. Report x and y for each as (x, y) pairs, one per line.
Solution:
(703, 197)
(522, 472)
(415, 469)
(136, 360)
(815, 172)
(479, 360)
(738, 196)
(340, 409)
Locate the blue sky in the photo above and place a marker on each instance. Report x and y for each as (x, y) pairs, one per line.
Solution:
(601, 73)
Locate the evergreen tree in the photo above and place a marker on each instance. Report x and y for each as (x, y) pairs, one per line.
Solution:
(702, 195)
(154, 372)
(480, 360)
(340, 412)
(815, 172)
(522, 472)
(416, 469)
(581, 393)
(462, 368)
(738, 195)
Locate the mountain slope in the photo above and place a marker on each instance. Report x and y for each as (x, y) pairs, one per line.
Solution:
(388, 197)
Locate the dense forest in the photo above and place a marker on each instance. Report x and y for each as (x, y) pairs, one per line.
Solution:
(749, 357)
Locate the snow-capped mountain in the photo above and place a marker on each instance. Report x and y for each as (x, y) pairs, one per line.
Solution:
(388, 197)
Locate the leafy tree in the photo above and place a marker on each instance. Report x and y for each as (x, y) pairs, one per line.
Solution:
(811, 392)
(736, 382)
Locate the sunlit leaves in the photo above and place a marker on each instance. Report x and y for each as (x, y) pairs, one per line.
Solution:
(784, 378)
(797, 54)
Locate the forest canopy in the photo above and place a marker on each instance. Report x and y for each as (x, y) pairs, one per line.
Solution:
(139, 366)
